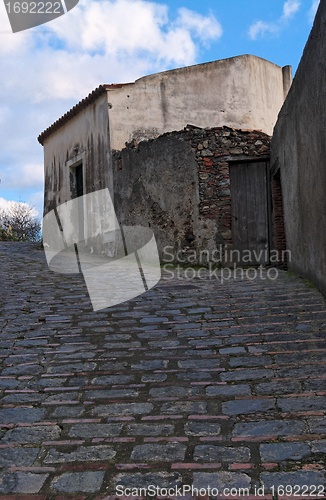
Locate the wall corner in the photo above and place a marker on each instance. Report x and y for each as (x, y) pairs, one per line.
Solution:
(287, 79)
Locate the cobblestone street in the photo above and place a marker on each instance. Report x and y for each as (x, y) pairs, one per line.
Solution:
(194, 383)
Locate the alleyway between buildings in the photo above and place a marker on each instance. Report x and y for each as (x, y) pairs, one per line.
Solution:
(197, 383)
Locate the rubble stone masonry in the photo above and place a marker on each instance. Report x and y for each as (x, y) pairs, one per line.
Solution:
(179, 184)
(214, 150)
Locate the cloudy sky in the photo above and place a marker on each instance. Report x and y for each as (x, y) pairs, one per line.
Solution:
(46, 70)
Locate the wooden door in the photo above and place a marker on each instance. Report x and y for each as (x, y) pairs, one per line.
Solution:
(250, 205)
(79, 180)
(79, 194)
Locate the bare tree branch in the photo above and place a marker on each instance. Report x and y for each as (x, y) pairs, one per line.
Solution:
(18, 223)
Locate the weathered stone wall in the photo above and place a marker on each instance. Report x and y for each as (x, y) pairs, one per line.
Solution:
(299, 151)
(214, 150)
(156, 185)
(179, 185)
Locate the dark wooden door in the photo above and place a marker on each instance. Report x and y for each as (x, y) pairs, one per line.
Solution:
(250, 211)
(80, 201)
(79, 181)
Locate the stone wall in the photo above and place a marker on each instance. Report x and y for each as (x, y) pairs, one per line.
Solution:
(299, 151)
(179, 185)
(156, 185)
(214, 150)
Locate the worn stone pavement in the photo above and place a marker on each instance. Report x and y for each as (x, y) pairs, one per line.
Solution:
(195, 382)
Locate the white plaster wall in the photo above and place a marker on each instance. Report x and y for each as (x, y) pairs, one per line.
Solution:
(241, 92)
(84, 136)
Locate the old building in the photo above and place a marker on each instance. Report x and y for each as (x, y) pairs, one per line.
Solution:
(95, 146)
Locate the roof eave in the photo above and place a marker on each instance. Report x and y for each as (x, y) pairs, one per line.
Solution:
(101, 89)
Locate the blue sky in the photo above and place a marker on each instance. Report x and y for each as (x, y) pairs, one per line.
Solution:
(46, 70)
(282, 46)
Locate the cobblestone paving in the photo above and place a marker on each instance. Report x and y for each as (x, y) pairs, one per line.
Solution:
(196, 382)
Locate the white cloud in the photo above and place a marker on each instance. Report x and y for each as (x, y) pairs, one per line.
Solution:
(11, 43)
(289, 9)
(100, 41)
(29, 175)
(205, 28)
(126, 27)
(5, 204)
(313, 10)
(32, 174)
(4, 114)
(111, 25)
(36, 200)
(46, 70)
(261, 28)
(8, 205)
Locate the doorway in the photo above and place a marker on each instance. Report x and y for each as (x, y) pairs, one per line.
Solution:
(79, 180)
(79, 192)
(250, 210)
